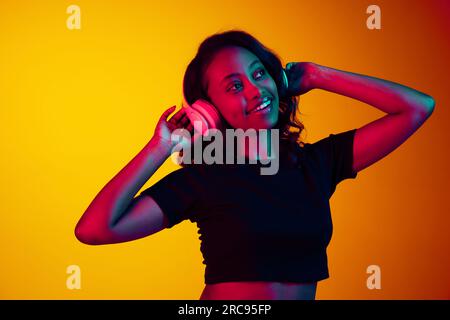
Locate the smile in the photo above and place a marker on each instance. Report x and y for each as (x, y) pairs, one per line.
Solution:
(265, 106)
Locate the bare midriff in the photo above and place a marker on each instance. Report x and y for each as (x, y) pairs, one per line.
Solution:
(259, 290)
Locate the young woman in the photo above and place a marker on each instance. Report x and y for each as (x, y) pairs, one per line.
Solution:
(262, 236)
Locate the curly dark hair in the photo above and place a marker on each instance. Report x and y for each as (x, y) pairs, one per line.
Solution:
(288, 121)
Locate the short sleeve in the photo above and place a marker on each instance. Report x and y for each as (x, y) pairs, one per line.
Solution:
(336, 152)
(177, 194)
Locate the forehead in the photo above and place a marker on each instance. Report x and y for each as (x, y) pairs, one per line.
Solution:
(229, 60)
(232, 58)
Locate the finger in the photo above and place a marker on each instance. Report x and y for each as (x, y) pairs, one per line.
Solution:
(166, 113)
(177, 116)
(185, 120)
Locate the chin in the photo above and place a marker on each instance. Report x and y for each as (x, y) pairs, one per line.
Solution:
(269, 124)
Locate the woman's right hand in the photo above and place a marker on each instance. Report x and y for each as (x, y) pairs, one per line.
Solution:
(165, 128)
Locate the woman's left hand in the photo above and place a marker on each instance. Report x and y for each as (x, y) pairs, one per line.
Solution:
(300, 76)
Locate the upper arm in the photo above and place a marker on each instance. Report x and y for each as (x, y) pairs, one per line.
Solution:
(378, 138)
(174, 198)
(142, 218)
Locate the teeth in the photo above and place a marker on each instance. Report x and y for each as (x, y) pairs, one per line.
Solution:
(266, 102)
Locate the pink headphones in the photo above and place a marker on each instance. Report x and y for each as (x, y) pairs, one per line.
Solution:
(204, 115)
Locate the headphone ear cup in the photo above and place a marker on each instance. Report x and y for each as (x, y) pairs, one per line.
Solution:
(285, 80)
(196, 118)
(209, 112)
(202, 113)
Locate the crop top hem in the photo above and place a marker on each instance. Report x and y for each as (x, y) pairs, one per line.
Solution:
(237, 278)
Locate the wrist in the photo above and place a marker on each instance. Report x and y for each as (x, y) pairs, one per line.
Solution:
(315, 74)
(161, 147)
(323, 77)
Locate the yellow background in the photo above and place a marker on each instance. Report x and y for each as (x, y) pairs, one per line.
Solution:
(77, 105)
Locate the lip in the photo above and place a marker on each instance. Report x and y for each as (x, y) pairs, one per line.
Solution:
(258, 103)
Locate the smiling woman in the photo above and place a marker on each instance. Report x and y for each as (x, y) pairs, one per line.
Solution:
(262, 236)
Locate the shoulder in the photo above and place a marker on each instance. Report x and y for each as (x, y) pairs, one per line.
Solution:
(331, 143)
(196, 173)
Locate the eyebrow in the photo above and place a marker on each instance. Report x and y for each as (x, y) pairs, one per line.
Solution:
(231, 75)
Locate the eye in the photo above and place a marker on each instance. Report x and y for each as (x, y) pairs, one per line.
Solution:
(260, 71)
(235, 84)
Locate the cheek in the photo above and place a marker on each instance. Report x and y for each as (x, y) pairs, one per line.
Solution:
(232, 108)
(272, 86)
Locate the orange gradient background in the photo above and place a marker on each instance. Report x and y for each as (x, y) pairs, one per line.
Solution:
(77, 105)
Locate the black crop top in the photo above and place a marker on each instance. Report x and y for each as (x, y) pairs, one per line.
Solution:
(257, 227)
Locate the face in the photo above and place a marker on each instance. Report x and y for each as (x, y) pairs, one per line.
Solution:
(242, 90)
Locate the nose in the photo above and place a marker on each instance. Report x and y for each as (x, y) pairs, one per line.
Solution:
(254, 90)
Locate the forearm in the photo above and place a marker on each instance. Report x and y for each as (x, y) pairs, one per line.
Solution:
(387, 96)
(117, 194)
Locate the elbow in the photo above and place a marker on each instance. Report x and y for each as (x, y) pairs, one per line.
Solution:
(425, 109)
(87, 236)
(429, 105)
